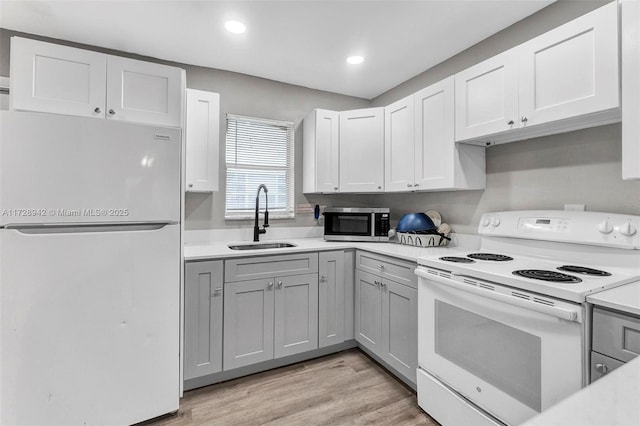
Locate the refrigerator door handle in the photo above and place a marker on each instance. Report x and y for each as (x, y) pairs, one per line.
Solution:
(36, 229)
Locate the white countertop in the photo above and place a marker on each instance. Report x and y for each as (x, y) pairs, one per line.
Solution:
(612, 400)
(625, 298)
(220, 249)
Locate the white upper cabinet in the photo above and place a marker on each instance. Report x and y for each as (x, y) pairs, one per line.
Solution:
(631, 89)
(47, 77)
(58, 79)
(399, 144)
(362, 150)
(202, 140)
(440, 163)
(487, 97)
(566, 79)
(321, 152)
(144, 92)
(571, 70)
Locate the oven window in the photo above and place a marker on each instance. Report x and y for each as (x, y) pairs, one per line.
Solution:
(503, 356)
(348, 224)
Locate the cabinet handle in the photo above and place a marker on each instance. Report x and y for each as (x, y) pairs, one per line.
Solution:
(524, 119)
(279, 284)
(511, 122)
(383, 284)
(409, 185)
(335, 188)
(602, 369)
(379, 187)
(216, 292)
(270, 284)
(323, 277)
(97, 110)
(416, 185)
(380, 266)
(190, 185)
(112, 112)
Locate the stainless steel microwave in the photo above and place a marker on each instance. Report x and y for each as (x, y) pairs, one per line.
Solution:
(356, 224)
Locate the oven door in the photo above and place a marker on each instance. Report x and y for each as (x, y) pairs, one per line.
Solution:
(510, 356)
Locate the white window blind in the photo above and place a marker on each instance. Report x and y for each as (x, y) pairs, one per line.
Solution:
(259, 151)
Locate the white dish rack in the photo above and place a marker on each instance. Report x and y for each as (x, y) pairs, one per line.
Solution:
(422, 240)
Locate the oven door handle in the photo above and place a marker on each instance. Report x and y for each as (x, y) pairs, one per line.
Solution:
(556, 311)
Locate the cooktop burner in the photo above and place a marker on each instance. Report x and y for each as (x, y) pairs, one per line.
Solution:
(457, 259)
(584, 270)
(544, 275)
(490, 256)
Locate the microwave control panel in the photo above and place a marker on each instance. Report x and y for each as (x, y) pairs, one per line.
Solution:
(381, 224)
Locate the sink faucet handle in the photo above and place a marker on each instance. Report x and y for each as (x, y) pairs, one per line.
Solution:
(266, 219)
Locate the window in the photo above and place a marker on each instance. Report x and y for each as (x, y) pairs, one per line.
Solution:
(259, 151)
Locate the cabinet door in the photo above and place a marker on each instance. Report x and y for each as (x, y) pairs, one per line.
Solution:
(321, 151)
(571, 70)
(631, 84)
(47, 77)
(202, 140)
(362, 150)
(487, 97)
(144, 92)
(435, 148)
(331, 298)
(368, 323)
(399, 337)
(203, 319)
(399, 142)
(296, 314)
(248, 322)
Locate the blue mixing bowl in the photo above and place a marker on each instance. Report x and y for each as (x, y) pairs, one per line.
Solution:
(414, 222)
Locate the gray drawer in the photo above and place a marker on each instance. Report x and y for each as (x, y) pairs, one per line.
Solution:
(615, 334)
(601, 365)
(252, 268)
(394, 269)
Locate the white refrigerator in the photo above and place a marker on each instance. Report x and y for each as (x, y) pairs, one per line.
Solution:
(89, 270)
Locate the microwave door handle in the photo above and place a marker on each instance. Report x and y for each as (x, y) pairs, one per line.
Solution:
(562, 313)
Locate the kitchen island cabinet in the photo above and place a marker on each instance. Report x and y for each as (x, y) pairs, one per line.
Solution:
(203, 318)
(47, 77)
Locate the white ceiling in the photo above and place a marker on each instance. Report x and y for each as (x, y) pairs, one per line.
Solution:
(303, 42)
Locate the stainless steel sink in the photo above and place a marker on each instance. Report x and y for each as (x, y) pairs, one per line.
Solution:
(259, 246)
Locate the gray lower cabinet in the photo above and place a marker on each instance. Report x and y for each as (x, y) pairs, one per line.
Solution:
(269, 318)
(616, 340)
(331, 298)
(203, 318)
(386, 318)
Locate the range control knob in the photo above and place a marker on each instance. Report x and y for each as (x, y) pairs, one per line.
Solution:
(605, 227)
(495, 221)
(485, 221)
(627, 229)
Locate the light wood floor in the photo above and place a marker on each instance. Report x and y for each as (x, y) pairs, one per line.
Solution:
(347, 388)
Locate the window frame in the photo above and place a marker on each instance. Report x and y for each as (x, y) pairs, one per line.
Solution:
(246, 214)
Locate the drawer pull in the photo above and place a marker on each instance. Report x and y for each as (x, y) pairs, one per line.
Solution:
(602, 369)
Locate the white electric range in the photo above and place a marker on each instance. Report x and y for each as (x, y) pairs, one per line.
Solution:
(503, 330)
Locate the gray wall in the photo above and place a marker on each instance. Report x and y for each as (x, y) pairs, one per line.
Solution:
(581, 167)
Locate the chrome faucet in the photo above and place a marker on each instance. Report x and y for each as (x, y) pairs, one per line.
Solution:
(256, 229)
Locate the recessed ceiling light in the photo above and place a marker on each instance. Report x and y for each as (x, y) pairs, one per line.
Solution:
(355, 60)
(235, 27)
